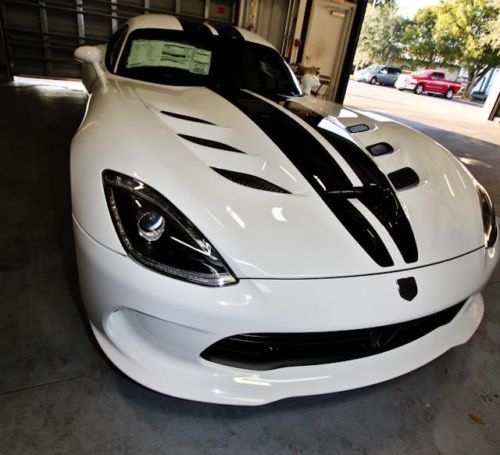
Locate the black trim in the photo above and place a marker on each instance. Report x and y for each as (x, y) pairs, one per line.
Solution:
(317, 166)
(404, 178)
(250, 181)
(209, 143)
(346, 70)
(377, 196)
(187, 117)
(268, 351)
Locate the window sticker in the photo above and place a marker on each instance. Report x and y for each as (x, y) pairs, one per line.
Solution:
(170, 55)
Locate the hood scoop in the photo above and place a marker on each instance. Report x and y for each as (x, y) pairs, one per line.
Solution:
(358, 128)
(187, 118)
(381, 148)
(250, 181)
(209, 143)
(404, 178)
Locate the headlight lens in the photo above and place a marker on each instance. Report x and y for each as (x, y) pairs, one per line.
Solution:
(157, 235)
(489, 220)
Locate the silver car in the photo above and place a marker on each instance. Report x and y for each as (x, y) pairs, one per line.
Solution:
(378, 74)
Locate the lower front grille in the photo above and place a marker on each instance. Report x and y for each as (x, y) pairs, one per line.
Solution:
(268, 351)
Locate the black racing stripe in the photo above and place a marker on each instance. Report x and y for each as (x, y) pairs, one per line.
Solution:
(317, 166)
(196, 26)
(379, 196)
(209, 143)
(228, 31)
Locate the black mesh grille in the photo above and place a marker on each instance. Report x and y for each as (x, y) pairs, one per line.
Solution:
(267, 351)
(359, 128)
(404, 178)
(209, 143)
(250, 181)
(382, 148)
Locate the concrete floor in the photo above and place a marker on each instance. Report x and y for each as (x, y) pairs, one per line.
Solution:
(59, 395)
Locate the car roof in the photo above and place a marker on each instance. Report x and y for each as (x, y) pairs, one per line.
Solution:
(169, 22)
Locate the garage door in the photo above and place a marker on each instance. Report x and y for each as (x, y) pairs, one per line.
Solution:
(41, 35)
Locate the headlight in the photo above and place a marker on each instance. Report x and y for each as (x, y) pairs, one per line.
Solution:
(489, 220)
(157, 235)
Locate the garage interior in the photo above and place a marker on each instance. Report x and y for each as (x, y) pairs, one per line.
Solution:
(58, 392)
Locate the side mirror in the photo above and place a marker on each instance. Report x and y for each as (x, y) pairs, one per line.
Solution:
(91, 55)
(88, 54)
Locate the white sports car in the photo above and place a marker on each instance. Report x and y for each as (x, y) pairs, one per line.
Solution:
(240, 243)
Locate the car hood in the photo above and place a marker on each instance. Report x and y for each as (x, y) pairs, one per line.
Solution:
(243, 179)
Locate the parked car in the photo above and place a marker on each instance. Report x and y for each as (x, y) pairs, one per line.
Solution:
(428, 81)
(378, 74)
(240, 243)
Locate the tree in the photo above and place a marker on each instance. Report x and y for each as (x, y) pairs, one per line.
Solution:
(461, 32)
(380, 40)
(492, 37)
(419, 38)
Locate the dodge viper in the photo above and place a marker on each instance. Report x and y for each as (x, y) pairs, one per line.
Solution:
(238, 242)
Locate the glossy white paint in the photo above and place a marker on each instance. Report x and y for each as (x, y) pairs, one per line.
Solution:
(142, 142)
(299, 269)
(154, 328)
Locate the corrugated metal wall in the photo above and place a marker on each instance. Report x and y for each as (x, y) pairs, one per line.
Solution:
(41, 35)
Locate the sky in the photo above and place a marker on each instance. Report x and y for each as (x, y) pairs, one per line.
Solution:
(408, 8)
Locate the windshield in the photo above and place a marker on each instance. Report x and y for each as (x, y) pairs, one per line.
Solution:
(191, 58)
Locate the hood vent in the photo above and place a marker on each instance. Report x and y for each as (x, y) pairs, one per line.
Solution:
(381, 148)
(359, 128)
(404, 178)
(209, 143)
(187, 117)
(250, 181)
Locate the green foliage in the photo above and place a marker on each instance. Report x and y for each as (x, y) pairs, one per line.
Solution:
(492, 37)
(419, 37)
(381, 36)
(460, 34)
(454, 32)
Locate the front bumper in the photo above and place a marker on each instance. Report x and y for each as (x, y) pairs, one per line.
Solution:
(154, 328)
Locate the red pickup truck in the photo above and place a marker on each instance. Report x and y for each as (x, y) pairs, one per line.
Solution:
(428, 81)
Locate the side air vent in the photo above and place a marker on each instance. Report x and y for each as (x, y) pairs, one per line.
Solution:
(359, 128)
(186, 117)
(209, 143)
(382, 148)
(404, 178)
(251, 181)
